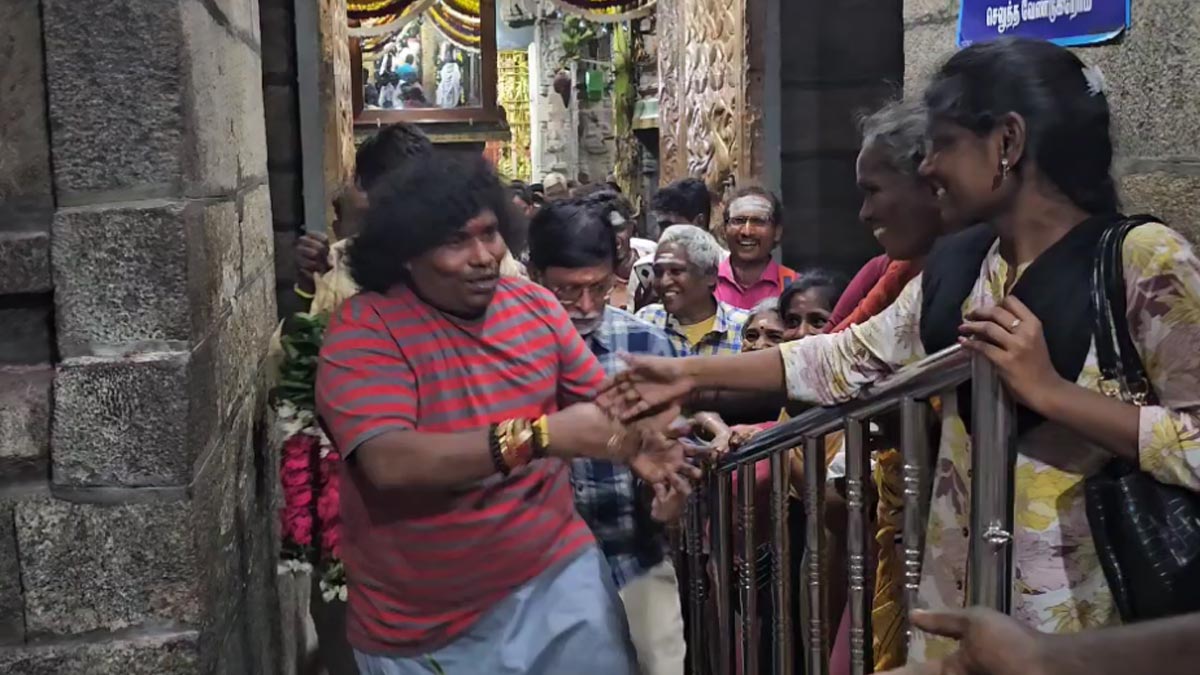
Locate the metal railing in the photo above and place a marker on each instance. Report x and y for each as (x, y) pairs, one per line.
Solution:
(728, 645)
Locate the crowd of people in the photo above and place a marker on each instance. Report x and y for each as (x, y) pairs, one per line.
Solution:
(525, 390)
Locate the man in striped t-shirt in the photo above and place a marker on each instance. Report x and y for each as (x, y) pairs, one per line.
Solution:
(454, 393)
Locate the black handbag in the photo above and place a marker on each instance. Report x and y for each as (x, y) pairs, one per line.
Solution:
(1147, 533)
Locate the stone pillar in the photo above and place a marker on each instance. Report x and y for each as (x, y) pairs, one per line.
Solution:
(281, 106)
(1150, 87)
(337, 106)
(837, 61)
(144, 533)
(555, 141)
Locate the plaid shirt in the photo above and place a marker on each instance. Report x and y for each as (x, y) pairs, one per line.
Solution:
(725, 338)
(607, 495)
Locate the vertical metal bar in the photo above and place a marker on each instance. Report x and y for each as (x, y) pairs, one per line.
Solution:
(815, 556)
(857, 461)
(747, 583)
(914, 446)
(693, 542)
(989, 566)
(722, 554)
(781, 563)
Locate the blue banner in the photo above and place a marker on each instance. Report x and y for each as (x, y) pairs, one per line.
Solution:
(1064, 22)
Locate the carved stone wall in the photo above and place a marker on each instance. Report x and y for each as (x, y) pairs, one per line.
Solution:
(706, 118)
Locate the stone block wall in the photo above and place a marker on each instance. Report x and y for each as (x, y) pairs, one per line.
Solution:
(1155, 102)
(838, 60)
(137, 279)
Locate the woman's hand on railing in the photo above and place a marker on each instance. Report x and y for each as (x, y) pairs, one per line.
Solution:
(1010, 336)
(645, 387)
(990, 643)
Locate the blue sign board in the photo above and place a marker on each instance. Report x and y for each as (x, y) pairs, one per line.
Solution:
(1064, 22)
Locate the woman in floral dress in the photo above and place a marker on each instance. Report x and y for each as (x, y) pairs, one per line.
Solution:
(1019, 142)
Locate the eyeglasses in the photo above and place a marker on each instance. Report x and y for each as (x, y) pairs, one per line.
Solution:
(599, 292)
(753, 221)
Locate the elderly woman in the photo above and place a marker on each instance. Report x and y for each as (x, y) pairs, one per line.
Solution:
(685, 278)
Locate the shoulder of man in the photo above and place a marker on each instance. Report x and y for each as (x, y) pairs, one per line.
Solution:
(654, 340)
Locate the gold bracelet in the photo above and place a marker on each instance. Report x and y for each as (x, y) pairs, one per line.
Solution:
(303, 293)
(541, 436)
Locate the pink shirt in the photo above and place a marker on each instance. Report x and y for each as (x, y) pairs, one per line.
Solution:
(772, 282)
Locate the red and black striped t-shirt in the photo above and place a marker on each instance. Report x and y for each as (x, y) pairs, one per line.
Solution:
(422, 568)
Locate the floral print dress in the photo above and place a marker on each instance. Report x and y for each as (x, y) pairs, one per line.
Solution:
(1059, 583)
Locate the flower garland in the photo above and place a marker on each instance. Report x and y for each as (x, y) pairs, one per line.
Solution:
(310, 518)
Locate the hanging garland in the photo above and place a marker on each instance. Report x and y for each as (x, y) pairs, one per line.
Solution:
(607, 11)
(456, 21)
(385, 27)
(374, 9)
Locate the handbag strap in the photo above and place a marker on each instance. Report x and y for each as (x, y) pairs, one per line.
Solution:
(1122, 373)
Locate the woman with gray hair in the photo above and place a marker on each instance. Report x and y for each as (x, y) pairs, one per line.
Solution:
(685, 278)
(898, 206)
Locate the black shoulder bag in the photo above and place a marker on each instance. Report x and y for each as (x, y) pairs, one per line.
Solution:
(1147, 533)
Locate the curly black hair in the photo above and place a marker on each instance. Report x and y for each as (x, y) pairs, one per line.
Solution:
(417, 208)
(388, 150)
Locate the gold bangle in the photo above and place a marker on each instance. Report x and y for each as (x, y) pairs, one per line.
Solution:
(302, 293)
(541, 436)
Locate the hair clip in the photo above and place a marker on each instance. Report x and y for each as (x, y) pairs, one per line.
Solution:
(1095, 80)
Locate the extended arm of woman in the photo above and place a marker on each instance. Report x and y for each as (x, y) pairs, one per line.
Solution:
(822, 369)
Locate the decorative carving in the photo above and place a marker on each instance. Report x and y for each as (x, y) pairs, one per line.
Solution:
(513, 94)
(714, 91)
(706, 122)
(670, 72)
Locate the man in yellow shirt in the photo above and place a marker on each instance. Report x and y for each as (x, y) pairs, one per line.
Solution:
(685, 278)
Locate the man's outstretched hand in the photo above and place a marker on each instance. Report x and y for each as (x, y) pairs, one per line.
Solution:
(647, 386)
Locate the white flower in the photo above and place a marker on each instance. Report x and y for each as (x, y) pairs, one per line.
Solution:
(293, 566)
(1095, 80)
(615, 219)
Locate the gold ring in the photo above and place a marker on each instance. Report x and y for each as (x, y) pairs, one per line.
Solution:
(1014, 326)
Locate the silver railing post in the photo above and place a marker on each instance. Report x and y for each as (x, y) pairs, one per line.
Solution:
(914, 450)
(693, 541)
(721, 485)
(815, 554)
(747, 582)
(989, 566)
(857, 547)
(781, 563)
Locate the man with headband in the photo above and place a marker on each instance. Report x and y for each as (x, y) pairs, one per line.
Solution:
(753, 228)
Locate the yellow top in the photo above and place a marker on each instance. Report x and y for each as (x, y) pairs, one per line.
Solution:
(696, 332)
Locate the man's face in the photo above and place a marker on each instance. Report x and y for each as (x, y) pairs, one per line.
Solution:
(460, 276)
(680, 287)
(583, 292)
(751, 232)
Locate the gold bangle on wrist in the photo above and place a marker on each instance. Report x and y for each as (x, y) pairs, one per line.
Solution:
(303, 293)
(541, 436)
